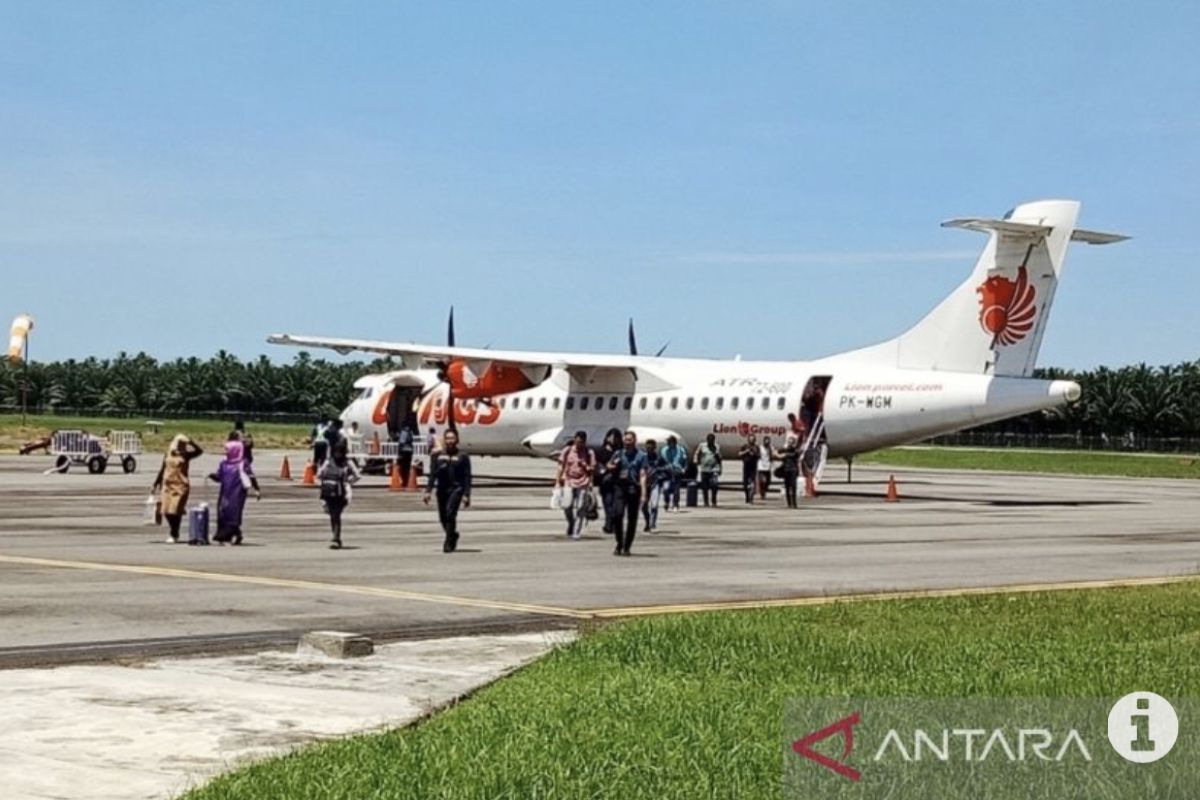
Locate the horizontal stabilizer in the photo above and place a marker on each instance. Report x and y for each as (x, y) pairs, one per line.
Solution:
(1096, 237)
(999, 225)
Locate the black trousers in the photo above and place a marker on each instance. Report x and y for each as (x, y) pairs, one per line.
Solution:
(448, 501)
(335, 509)
(626, 505)
(608, 499)
(406, 459)
(789, 486)
(749, 477)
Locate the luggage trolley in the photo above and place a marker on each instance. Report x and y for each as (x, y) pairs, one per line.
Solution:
(82, 448)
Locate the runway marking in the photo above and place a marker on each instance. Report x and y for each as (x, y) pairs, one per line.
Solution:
(791, 602)
(289, 583)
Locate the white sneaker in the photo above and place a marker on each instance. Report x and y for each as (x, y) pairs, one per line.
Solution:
(172, 540)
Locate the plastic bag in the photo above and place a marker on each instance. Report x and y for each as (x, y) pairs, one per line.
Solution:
(556, 499)
(149, 510)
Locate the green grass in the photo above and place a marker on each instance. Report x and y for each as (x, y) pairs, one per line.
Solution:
(691, 706)
(208, 432)
(1058, 461)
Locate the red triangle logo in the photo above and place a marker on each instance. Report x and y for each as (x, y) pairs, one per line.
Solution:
(843, 727)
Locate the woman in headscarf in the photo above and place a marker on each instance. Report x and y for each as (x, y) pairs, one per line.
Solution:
(606, 478)
(174, 483)
(236, 478)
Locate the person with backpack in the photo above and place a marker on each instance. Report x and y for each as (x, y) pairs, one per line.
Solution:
(405, 447)
(658, 479)
(628, 468)
(336, 476)
(749, 454)
(576, 471)
(708, 465)
(677, 458)
(450, 478)
(174, 483)
(236, 479)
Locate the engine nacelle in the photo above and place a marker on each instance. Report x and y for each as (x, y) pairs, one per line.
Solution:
(480, 379)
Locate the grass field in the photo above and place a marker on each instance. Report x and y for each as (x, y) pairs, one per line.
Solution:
(691, 706)
(209, 433)
(1058, 461)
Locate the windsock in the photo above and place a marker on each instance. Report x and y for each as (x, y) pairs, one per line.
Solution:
(21, 327)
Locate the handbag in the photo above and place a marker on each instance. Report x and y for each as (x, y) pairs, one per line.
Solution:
(149, 510)
(591, 506)
(556, 498)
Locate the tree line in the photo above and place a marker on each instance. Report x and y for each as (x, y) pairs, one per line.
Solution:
(1147, 401)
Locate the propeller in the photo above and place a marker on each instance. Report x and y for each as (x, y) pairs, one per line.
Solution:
(633, 349)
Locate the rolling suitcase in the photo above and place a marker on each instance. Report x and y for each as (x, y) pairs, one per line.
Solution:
(198, 524)
(693, 494)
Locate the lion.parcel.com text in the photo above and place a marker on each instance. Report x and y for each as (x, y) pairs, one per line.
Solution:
(1139, 745)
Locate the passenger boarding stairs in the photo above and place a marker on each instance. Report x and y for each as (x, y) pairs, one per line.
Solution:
(815, 452)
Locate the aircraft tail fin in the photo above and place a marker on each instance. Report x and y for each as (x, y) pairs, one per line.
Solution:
(994, 321)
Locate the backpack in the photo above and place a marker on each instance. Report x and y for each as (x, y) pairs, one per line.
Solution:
(333, 484)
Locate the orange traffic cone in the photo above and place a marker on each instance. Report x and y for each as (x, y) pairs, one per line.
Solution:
(893, 495)
(285, 472)
(395, 484)
(810, 489)
(413, 479)
(310, 474)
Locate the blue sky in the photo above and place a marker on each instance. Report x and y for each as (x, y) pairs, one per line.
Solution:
(763, 179)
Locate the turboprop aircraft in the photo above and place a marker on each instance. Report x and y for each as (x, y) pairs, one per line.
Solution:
(966, 363)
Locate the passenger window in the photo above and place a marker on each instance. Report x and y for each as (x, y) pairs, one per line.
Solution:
(720, 403)
(528, 403)
(583, 403)
(500, 402)
(734, 404)
(691, 403)
(612, 403)
(542, 403)
(674, 403)
(642, 404)
(704, 404)
(571, 403)
(557, 401)
(658, 404)
(598, 402)
(749, 403)
(780, 403)
(628, 403)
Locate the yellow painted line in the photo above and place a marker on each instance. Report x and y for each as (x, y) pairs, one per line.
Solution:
(791, 602)
(288, 583)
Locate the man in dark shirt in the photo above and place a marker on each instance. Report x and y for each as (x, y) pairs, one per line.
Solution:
(749, 454)
(629, 469)
(450, 479)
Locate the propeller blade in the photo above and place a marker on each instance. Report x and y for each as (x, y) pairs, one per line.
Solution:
(450, 329)
(632, 339)
(663, 349)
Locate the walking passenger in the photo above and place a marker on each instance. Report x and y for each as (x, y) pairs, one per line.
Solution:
(789, 468)
(239, 428)
(320, 444)
(450, 479)
(174, 482)
(708, 464)
(765, 454)
(629, 468)
(658, 480)
(576, 471)
(606, 478)
(405, 447)
(749, 455)
(677, 460)
(336, 476)
(236, 478)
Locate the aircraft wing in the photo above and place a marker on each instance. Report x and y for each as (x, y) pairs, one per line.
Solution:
(583, 367)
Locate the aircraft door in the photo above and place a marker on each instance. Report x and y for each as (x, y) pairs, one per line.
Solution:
(401, 411)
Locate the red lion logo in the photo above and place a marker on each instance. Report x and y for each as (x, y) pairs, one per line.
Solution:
(1006, 309)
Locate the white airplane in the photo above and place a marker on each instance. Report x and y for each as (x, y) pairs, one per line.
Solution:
(966, 363)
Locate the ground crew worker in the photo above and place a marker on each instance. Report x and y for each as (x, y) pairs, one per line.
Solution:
(628, 467)
(450, 478)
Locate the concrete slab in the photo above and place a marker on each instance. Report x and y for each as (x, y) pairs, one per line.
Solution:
(155, 729)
